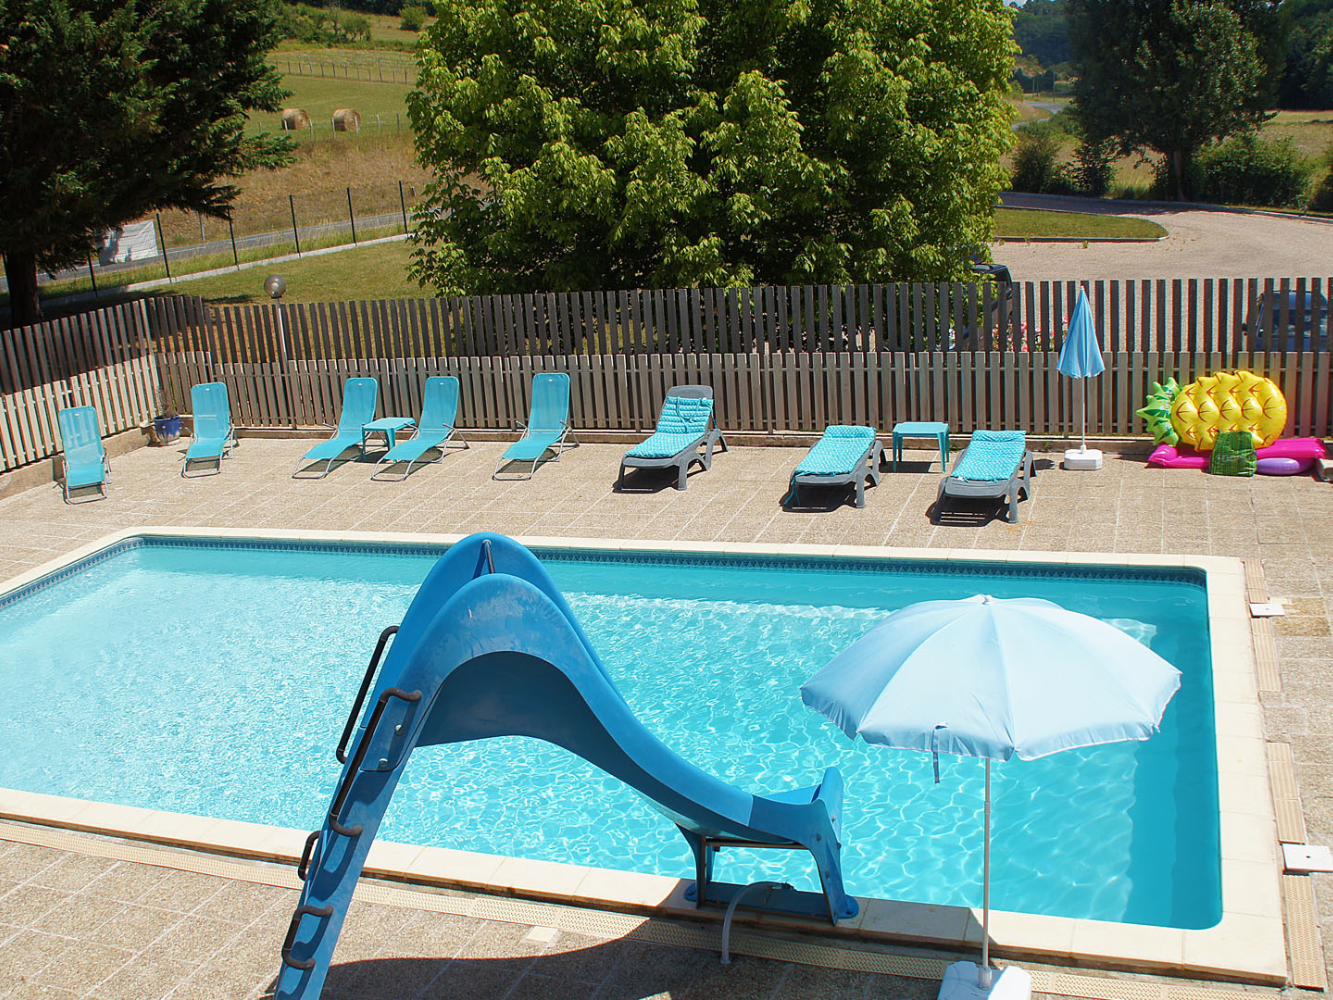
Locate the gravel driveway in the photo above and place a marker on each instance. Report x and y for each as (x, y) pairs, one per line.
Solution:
(1202, 243)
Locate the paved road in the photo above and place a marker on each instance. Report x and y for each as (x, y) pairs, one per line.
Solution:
(1202, 243)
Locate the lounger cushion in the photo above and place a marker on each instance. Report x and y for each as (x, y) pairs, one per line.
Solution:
(997, 458)
(837, 452)
(684, 421)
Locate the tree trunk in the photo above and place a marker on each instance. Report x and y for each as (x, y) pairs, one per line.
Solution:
(1178, 172)
(25, 307)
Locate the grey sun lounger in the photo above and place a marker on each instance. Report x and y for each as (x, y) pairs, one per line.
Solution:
(847, 455)
(994, 465)
(435, 430)
(684, 426)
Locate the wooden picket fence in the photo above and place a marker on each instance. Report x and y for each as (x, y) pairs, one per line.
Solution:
(779, 359)
(103, 359)
(762, 393)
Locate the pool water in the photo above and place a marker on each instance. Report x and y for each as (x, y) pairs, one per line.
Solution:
(215, 679)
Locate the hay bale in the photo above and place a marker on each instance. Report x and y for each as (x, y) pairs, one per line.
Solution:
(346, 120)
(294, 118)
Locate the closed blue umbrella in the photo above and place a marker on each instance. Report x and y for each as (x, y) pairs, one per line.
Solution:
(1081, 358)
(993, 678)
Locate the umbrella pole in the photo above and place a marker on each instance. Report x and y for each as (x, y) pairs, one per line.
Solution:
(985, 975)
(1083, 417)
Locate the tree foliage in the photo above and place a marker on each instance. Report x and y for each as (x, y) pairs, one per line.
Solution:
(1307, 75)
(1041, 29)
(658, 143)
(113, 108)
(1173, 75)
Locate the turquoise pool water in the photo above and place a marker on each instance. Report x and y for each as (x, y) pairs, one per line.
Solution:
(215, 680)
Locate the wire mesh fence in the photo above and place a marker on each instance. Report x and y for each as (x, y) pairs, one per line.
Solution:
(171, 243)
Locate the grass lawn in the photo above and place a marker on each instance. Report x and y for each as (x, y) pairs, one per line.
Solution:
(1017, 224)
(378, 272)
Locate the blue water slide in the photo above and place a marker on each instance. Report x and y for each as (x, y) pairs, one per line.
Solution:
(488, 648)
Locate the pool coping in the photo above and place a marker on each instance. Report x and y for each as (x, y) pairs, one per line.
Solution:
(1247, 945)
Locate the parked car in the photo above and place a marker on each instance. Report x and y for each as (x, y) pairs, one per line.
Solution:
(1305, 327)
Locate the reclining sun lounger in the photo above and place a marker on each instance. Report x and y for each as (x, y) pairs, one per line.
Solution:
(847, 455)
(212, 437)
(85, 462)
(547, 426)
(995, 464)
(359, 398)
(683, 427)
(435, 429)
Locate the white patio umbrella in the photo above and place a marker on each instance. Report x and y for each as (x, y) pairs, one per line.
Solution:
(993, 678)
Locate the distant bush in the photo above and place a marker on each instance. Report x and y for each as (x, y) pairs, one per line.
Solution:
(1247, 170)
(414, 18)
(1094, 167)
(1037, 167)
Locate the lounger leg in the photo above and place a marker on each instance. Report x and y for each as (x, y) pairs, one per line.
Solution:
(1013, 504)
(861, 492)
(684, 472)
(620, 479)
(939, 502)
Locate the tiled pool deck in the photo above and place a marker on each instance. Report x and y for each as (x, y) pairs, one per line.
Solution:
(72, 925)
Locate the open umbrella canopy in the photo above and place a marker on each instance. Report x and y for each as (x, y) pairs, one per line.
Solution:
(990, 677)
(1081, 354)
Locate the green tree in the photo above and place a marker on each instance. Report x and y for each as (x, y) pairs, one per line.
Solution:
(413, 17)
(608, 143)
(1173, 75)
(113, 108)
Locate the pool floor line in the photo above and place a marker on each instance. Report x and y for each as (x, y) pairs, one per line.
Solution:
(609, 924)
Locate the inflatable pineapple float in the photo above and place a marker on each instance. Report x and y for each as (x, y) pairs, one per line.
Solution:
(1194, 414)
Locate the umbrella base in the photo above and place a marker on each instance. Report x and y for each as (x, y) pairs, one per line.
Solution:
(1083, 459)
(960, 983)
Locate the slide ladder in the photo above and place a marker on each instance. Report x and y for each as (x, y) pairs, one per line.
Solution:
(489, 648)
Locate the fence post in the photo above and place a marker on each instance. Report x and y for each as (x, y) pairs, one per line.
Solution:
(162, 239)
(91, 276)
(402, 203)
(231, 231)
(351, 216)
(397, 123)
(291, 203)
(379, 125)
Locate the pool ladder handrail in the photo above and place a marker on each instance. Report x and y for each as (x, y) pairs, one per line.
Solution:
(350, 727)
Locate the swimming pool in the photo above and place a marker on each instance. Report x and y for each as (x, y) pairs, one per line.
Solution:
(213, 677)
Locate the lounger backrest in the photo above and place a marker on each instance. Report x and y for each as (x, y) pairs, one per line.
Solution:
(550, 402)
(81, 434)
(212, 411)
(359, 398)
(685, 415)
(439, 404)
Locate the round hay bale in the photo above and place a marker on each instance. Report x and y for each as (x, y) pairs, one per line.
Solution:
(294, 118)
(346, 120)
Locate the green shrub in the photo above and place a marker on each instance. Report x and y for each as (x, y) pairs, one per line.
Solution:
(1094, 166)
(1321, 198)
(1247, 170)
(1037, 167)
(414, 18)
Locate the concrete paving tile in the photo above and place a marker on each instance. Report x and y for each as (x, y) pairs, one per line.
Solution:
(25, 861)
(78, 917)
(27, 904)
(71, 873)
(28, 952)
(181, 891)
(475, 980)
(83, 967)
(534, 986)
(127, 882)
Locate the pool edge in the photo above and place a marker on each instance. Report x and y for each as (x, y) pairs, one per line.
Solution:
(1248, 945)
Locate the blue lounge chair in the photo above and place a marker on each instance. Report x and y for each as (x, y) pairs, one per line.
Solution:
(547, 426)
(994, 465)
(847, 455)
(85, 462)
(212, 437)
(359, 398)
(684, 426)
(435, 429)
